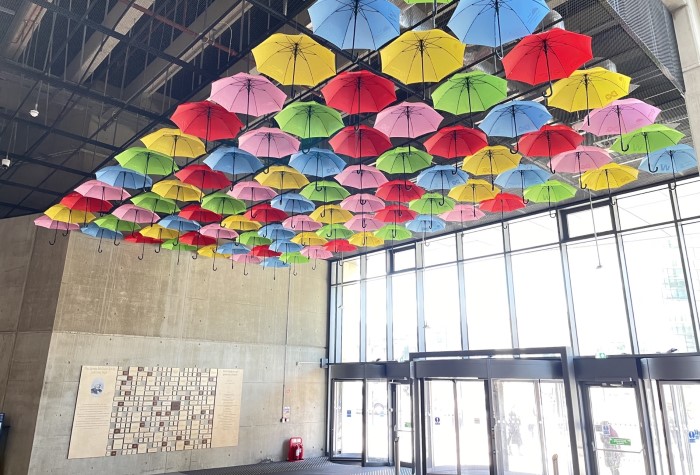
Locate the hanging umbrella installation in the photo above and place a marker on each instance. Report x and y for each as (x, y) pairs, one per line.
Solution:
(674, 159)
(474, 191)
(588, 89)
(647, 139)
(515, 118)
(550, 140)
(550, 192)
(121, 177)
(175, 143)
(247, 94)
(360, 142)
(48, 223)
(467, 93)
(146, 162)
(317, 162)
(233, 161)
(404, 160)
(523, 176)
(359, 92)
(365, 239)
(206, 120)
(408, 120)
(268, 142)
(491, 160)
(609, 176)
(620, 117)
(462, 213)
(309, 120)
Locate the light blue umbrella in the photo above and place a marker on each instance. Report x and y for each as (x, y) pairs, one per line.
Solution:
(94, 230)
(496, 22)
(441, 177)
(355, 24)
(523, 176)
(275, 263)
(233, 161)
(317, 162)
(178, 223)
(276, 231)
(425, 223)
(123, 177)
(232, 248)
(674, 159)
(293, 203)
(515, 118)
(285, 246)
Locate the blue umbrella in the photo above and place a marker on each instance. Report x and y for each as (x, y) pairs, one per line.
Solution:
(522, 176)
(496, 22)
(180, 224)
(441, 177)
(233, 161)
(673, 159)
(123, 177)
(94, 230)
(355, 24)
(425, 223)
(515, 118)
(273, 262)
(285, 246)
(293, 203)
(317, 162)
(276, 231)
(232, 248)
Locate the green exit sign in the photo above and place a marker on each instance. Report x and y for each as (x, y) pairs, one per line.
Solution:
(619, 441)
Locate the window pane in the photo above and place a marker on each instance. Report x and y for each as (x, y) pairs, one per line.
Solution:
(688, 193)
(439, 251)
(643, 209)
(376, 319)
(601, 317)
(488, 313)
(659, 297)
(376, 264)
(404, 315)
(540, 300)
(404, 259)
(441, 309)
(533, 232)
(581, 223)
(351, 269)
(691, 233)
(483, 242)
(350, 337)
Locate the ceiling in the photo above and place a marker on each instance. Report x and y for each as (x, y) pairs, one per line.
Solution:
(104, 73)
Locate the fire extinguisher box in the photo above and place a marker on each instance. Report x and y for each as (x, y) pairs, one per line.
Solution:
(296, 449)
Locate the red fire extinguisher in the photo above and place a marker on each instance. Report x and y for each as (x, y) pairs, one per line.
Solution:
(296, 449)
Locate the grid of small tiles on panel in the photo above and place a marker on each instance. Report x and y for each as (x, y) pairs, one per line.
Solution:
(162, 410)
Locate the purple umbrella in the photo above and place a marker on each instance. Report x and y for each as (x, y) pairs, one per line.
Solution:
(408, 120)
(247, 94)
(364, 222)
(361, 177)
(48, 223)
(268, 142)
(620, 117)
(362, 203)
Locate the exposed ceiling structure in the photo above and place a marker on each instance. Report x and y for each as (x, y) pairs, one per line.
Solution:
(101, 74)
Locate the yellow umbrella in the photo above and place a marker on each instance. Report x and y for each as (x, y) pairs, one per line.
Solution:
(491, 160)
(240, 223)
(474, 191)
(365, 239)
(422, 56)
(282, 177)
(156, 231)
(330, 214)
(210, 251)
(588, 89)
(177, 190)
(294, 59)
(609, 176)
(175, 143)
(66, 215)
(309, 239)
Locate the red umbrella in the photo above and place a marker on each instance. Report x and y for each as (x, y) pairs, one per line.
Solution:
(543, 57)
(360, 142)
(193, 238)
(206, 120)
(195, 212)
(550, 140)
(502, 203)
(456, 142)
(402, 191)
(264, 251)
(139, 238)
(355, 92)
(76, 201)
(203, 177)
(339, 245)
(395, 214)
(264, 213)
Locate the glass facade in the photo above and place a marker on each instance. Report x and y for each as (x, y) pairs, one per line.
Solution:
(616, 276)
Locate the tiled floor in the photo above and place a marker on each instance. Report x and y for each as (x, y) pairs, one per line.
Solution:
(315, 466)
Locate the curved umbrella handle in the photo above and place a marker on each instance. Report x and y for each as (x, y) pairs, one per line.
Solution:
(364, 223)
(195, 256)
(143, 249)
(115, 239)
(99, 246)
(245, 265)
(363, 202)
(55, 235)
(441, 203)
(340, 262)
(624, 147)
(157, 249)
(64, 233)
(313, 267)
(294, 272)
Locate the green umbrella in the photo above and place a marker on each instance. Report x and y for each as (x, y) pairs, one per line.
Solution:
(309, 119)
(294, 258)
(404, 160)
(176, 245)
(111, 222)
(146, 161)
(221, 203)
(156, 203)
(432, 204)
(551, 191)
(647, 139)
(466, 93)
(393, 232)
(325, 191)
(252, 239)
(334, 231)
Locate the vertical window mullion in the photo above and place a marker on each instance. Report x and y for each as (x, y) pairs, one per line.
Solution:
(462, 294)
(511, 290)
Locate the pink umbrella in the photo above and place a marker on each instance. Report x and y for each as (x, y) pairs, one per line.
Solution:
(580, 159)
(462, 213)
(301, 223)
(216, 231)
(620, 117)
(245, 259)
(103, 191)
(135, 214)
(48, 223)
(362, 203)
(268, 142)
(364, 222)
(247, 94)
(408, 120)
(316, 252)
(251, 191)
(361, 177)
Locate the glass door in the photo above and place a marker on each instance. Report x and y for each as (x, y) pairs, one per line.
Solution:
(347, 427)
(615, 430)
(681, 412)
(403, 422)
(377, 423)
(473, 425)
(442, 432)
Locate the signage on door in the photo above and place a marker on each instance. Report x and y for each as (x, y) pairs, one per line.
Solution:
(693, 436)
(619, 441)
(437, 421)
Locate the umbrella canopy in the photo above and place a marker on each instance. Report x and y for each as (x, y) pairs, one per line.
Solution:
(113, 223)
(515, 118)
(466, 93)
(492, 160)
(365, 239)
(246, 258)
(94, 230)
(408, 120)
(620, 117)
(301, 223)
(461, 213)
(232, 249)
(325, 191)
(495, 23)
(76, 201)
(193, 238)
(426, 224)
(223, 204)
(177, 190)
(216, 231)
(363, 222)
(359, 142)
(309, 119)
(404, 160)
(176, 245)
(588, 89)
(252, 239)
(123, 177)
(285, 246)
(264, 252)
(422, 56)
(317, 162)
(551, 191)
(316, 252)
(502, 203)
(146, 161)
(550, 140)
(66, 215)
(361, 177)
(580, 159)
(474, 191)
(158, 232)
(179, 224)
(233, 161)
(522, 176)
(156, 203)
(393, 232)
(355, 24)
(195, 212)
(647, 139)
(334, 231)
(609, 176)
(273, 262)
(673, 159)
(268, 142)
(211, 251)
(294, 60)
(402, 191)
(175, 143)
(206, 120)
(357, 92)
(282, 177)
(432, 204)
(202, 177)
(441, 177)
(329, 214)
(340, 245)
(292, 203)
(247, 94)
(135, 214)
(48, 223)
(309, 239)
(264, 213)
(102, 191)
(395, 214)
(362, 203)
(240, 223)
(252, 191)
(138, 238)
(456, 142)
(294, 258)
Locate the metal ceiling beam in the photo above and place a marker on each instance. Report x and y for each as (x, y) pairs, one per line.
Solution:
(29, 187)
(13, 206)
(27, 19)
(34, 161)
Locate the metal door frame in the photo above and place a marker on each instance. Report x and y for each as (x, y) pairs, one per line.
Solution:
(394, 430)
(331, 455)
(664, 417)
